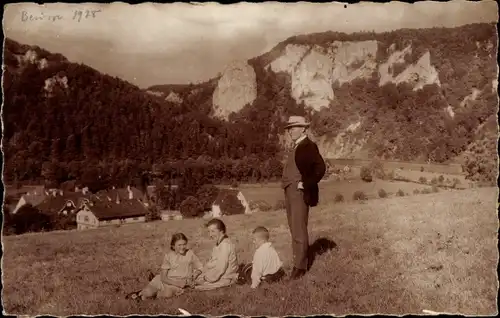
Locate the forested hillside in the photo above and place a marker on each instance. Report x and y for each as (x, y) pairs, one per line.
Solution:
(67, 121)
(410, 94)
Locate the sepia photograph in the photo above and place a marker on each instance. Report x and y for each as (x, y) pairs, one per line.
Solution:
(250, 159)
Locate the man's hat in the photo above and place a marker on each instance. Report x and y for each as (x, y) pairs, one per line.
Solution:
(296, 121)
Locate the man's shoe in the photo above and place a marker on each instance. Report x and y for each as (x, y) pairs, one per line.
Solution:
(297, 273)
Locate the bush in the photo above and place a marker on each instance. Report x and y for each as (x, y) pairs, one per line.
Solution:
(231, 205)
(421, 169)
(434, 181)
(29, 219)
(339, 198)
(377, 169)
(382, 193)
(366, 174)
(426, 191)
(153, 214)
(422, 180)
(280, 205)
(441, 179)
(234, 184)
(390, 175)
(206, 195)
(416, 191)
(400, 193)
(190, 208)
(359, 195)
(435, 189)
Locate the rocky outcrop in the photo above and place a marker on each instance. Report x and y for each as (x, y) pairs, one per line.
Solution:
(50, 83)
(418, 74)
(173, 98)
(236, 88)
(314, 69)
(346, 144)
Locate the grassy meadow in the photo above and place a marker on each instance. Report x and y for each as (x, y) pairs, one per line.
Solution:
(272, 192)
(398, 255)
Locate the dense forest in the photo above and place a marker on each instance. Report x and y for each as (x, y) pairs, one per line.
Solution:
(66, 121)
(104, 127)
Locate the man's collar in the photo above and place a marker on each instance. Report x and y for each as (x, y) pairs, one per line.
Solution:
(300, 139)
(222, 239)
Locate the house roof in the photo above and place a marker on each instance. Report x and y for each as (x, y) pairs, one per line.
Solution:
(34, 199)
(223, 193)
(122, 193)
(109, 210)
(55, 203)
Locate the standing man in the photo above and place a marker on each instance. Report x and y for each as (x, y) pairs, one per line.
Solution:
(302, 172)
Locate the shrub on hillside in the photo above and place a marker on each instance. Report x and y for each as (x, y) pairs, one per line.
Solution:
(153, 214)
(456, 182)
(435, 189)
(416, 191)
(382, 193)
(441, 179)
(234, 184)
(400, 193)
(30, 219)
(339, 198)
(366, 174)
(206, 195)
(390, 175)
(190, 208)
(377, 169)
(422, 180)
(359, 195)
(64, 222)
(426, 191)
(231, 205)
(434, 181)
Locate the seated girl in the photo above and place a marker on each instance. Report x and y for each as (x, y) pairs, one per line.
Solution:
(180, 266)
(222, 268)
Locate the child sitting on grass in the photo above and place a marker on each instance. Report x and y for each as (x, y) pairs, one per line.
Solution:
(266, 265)
(179, 269)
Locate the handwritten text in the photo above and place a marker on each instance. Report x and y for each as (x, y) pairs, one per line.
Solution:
(76, 15)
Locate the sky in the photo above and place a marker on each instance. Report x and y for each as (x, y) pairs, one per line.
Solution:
(149, 44)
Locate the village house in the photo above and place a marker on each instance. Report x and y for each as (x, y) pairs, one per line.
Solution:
(64, 202)
(105, 211)
(220, 206)
(33, 197)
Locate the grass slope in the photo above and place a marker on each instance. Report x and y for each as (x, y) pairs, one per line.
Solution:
(394, 256)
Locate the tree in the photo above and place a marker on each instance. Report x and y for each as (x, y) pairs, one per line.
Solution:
(190, 207)
(206, 196)
(30, 219)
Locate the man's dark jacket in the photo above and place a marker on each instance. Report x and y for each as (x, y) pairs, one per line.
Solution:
(312, 169)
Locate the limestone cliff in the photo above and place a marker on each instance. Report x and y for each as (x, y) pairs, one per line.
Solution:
(235, 89)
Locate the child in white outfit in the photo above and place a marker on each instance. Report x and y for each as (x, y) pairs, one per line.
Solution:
(266, 264)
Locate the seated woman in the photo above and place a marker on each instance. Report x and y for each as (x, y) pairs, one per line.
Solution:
(179, 267)
(222, 268)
